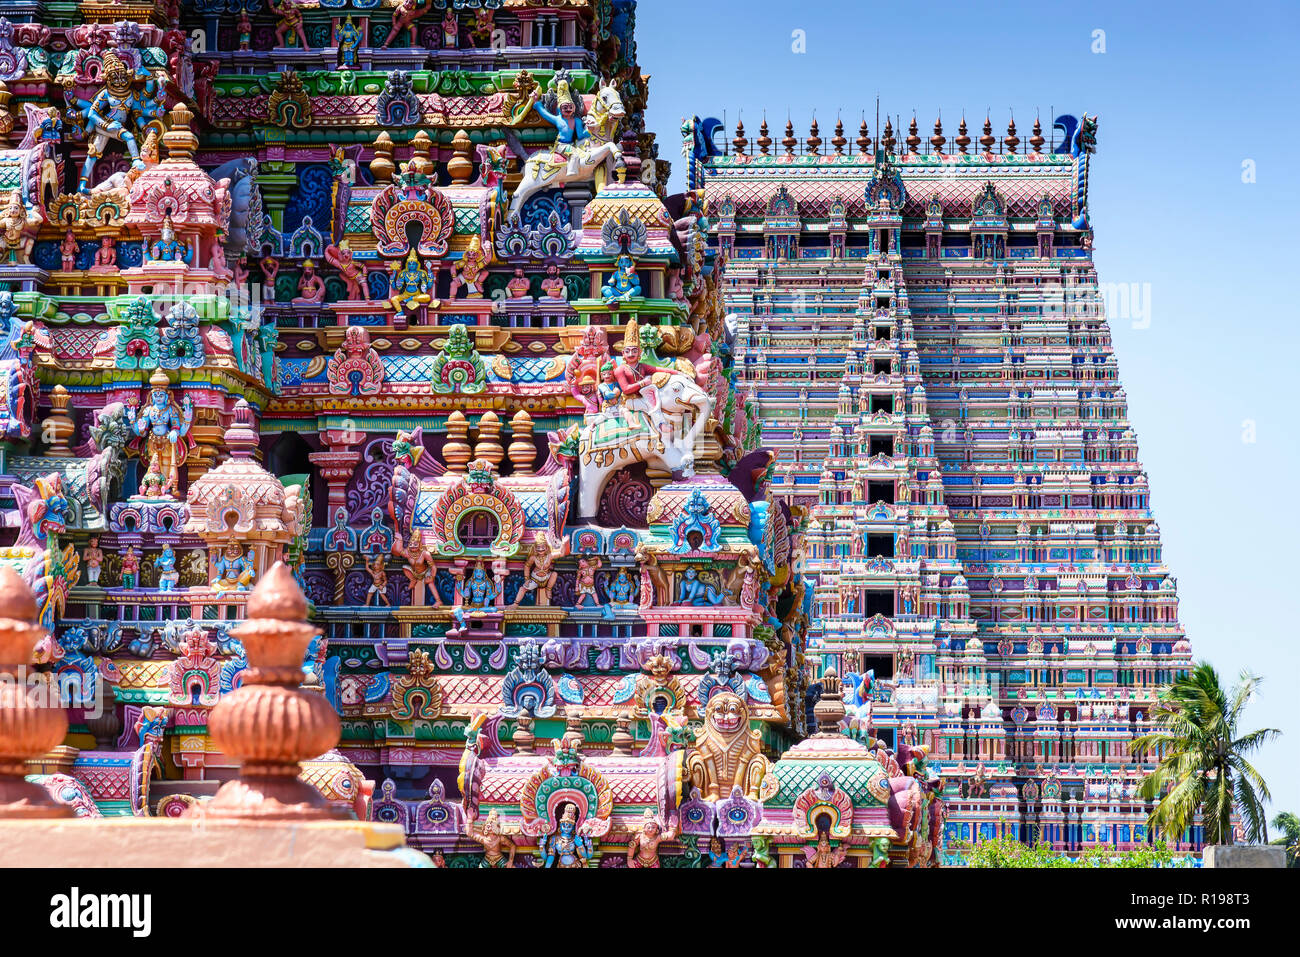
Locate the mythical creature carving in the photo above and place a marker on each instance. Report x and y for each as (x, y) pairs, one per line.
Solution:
(728, 754)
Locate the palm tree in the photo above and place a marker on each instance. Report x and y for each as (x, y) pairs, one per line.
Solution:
(1203, 762)
(1289, 825)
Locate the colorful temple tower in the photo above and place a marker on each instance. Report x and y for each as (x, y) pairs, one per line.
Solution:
(394, 293)
(923, 335)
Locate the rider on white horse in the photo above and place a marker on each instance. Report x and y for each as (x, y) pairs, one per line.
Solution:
(572, 130)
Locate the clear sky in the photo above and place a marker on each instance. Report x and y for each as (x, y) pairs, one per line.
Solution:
(1193, 98)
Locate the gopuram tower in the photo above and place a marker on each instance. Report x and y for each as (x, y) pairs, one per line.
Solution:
(922, 333)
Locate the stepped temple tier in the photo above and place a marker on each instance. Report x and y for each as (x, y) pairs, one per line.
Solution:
(388, 454)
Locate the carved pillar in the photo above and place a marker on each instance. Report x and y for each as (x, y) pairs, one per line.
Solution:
(338, 463)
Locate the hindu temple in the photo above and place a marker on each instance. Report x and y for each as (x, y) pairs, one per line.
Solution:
(359, 362)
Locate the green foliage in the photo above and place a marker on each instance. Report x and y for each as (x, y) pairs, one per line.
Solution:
(1289, 825)
(1007, 852)
(1203, 764)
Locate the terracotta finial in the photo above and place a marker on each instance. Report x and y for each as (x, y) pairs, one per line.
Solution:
(622, 740)
(269, 724)
(814, 140)
(180, 139)
(1012, 140)
(740, 142)
(937, 141)
(838, 140)
(522, 452)
(456, 451)
(913, 137)
(58, 425)
(864, 139)
(764, 141)
(788, 141)
(488, 445)
(461, 167)
(1036, 141)
(988, 139)
(29, 728)
(382, 166)
(962, 139)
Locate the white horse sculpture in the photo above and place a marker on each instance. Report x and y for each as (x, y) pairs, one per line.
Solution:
(664, 434)
(594, 159)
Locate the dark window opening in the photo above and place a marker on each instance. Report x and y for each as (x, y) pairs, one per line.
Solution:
(882, 332)
(478, 530)
(880, 545)
(882, 403)
(882, 665)
(881, 366)
(880, 603)
(881, 445)
(880, 492)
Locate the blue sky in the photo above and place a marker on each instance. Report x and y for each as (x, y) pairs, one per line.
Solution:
(1187, 93)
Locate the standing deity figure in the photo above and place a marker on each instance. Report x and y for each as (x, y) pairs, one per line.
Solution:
(118, 112)
(289, 24)
(568, 846)
(539, 570)
(450, 30)
(586, 590)
(244, 30)
(234, 569)
(68, 250)
(165, 429)
(340, 257)
(92, 556)
(168, 576)
(407, 12)
(643, 849)
(349, 38)
(823, 855)
(477, 592)
(130, 568)
(498, 849)
(378, 579)
(420, 569)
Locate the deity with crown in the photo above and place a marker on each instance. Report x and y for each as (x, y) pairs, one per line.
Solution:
(165, 431)
(568, 846)
(119, 112)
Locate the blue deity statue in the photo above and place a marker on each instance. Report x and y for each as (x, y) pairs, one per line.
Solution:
(568, 846)
(622, 590)
(120, 111)
(165, 430)
(234, 569)
(625, 284)
(169, 248)
(569, 126)
(410, 286)
(167, 574)
(697, 593)
(349, 38)
(477, 591)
